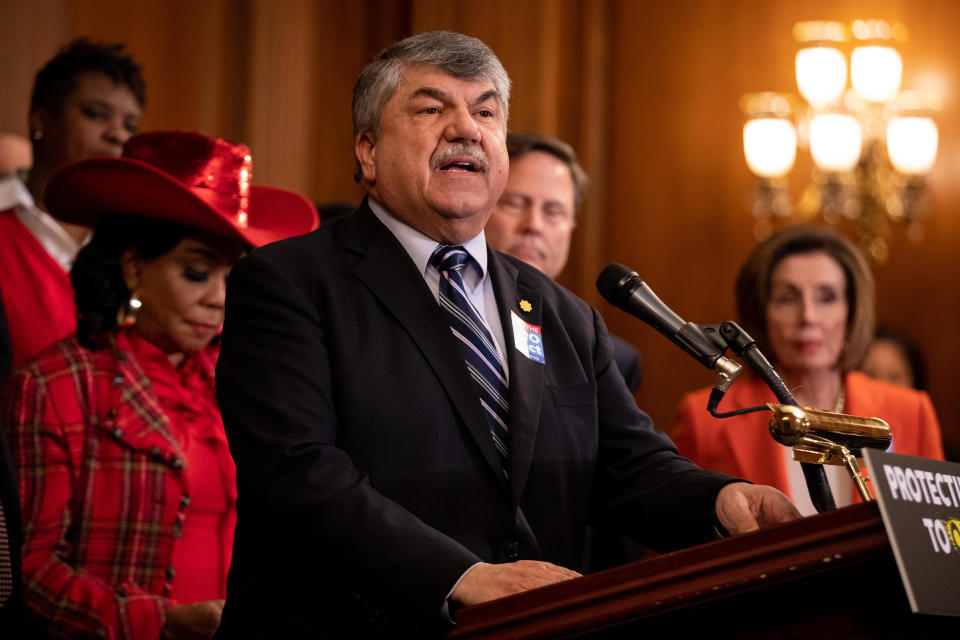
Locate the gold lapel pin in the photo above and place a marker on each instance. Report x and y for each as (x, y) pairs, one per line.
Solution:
(525, 306)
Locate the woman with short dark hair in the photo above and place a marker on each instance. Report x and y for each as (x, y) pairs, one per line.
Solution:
(126, 481)
(806, 296)
(86, 102)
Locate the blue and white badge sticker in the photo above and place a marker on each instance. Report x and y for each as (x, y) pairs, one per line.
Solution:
(527, 338)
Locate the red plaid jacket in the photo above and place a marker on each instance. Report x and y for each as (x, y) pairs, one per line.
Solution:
(104, 490)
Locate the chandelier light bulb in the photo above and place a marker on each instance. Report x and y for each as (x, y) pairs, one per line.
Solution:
(821, 74)
(835, 140)
(770, 146)
(875, 72)
(912, 144)
(843, 125)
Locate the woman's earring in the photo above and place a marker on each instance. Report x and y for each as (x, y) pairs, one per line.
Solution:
(38, 134)
(128, 311)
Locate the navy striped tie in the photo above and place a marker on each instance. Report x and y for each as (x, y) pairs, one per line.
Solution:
(476, 344)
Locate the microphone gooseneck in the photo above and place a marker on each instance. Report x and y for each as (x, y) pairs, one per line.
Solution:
(745, 348)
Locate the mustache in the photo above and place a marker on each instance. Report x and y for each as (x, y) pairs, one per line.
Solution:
(458, 149)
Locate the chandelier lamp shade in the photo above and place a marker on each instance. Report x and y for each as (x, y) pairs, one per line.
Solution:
(870, 143)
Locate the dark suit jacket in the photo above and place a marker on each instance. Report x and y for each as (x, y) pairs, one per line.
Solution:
(627, 358)
(11, 611)
(368, 481)
(6, 352)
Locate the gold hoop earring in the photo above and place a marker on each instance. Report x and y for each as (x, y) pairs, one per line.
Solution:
(128, 311)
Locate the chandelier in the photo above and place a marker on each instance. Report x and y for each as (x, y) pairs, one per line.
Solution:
(871, 145)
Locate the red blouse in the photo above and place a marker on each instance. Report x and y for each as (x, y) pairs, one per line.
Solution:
(188, 399)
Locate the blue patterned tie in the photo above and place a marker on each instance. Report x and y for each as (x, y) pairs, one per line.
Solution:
(476, 344)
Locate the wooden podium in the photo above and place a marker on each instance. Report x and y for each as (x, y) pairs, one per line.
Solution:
(828, 576)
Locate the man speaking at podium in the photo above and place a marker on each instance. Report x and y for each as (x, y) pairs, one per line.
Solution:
(418, 422)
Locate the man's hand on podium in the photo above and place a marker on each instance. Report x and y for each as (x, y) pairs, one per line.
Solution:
(743, 507)
(486, 581)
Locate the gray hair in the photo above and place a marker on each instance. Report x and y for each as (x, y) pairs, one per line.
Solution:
(454, 53)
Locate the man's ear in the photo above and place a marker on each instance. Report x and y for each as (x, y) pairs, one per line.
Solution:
(130, 267)
(365, 150)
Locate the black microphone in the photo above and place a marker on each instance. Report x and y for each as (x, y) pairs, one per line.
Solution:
(623, 288)
(745, 347)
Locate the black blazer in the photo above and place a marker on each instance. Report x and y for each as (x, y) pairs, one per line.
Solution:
(368, 482)
(11, 611)
(627, 358)
(6, 351)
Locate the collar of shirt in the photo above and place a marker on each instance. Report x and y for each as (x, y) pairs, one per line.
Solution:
(479, 285)
(420, 247)
(58, 243)
(13, 192)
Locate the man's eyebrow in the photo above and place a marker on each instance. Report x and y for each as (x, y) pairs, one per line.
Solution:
(430, 92)
(437, 94)
(98, 102)
(488, 95)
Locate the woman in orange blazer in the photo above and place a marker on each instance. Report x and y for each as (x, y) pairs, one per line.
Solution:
(806, 295)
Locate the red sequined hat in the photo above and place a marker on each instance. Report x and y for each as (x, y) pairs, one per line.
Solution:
(182, 177)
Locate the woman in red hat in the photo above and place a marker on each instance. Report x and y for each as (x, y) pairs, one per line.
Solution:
(126, 482)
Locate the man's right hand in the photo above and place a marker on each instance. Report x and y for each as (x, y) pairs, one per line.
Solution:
(487, 581)
(193, 621)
